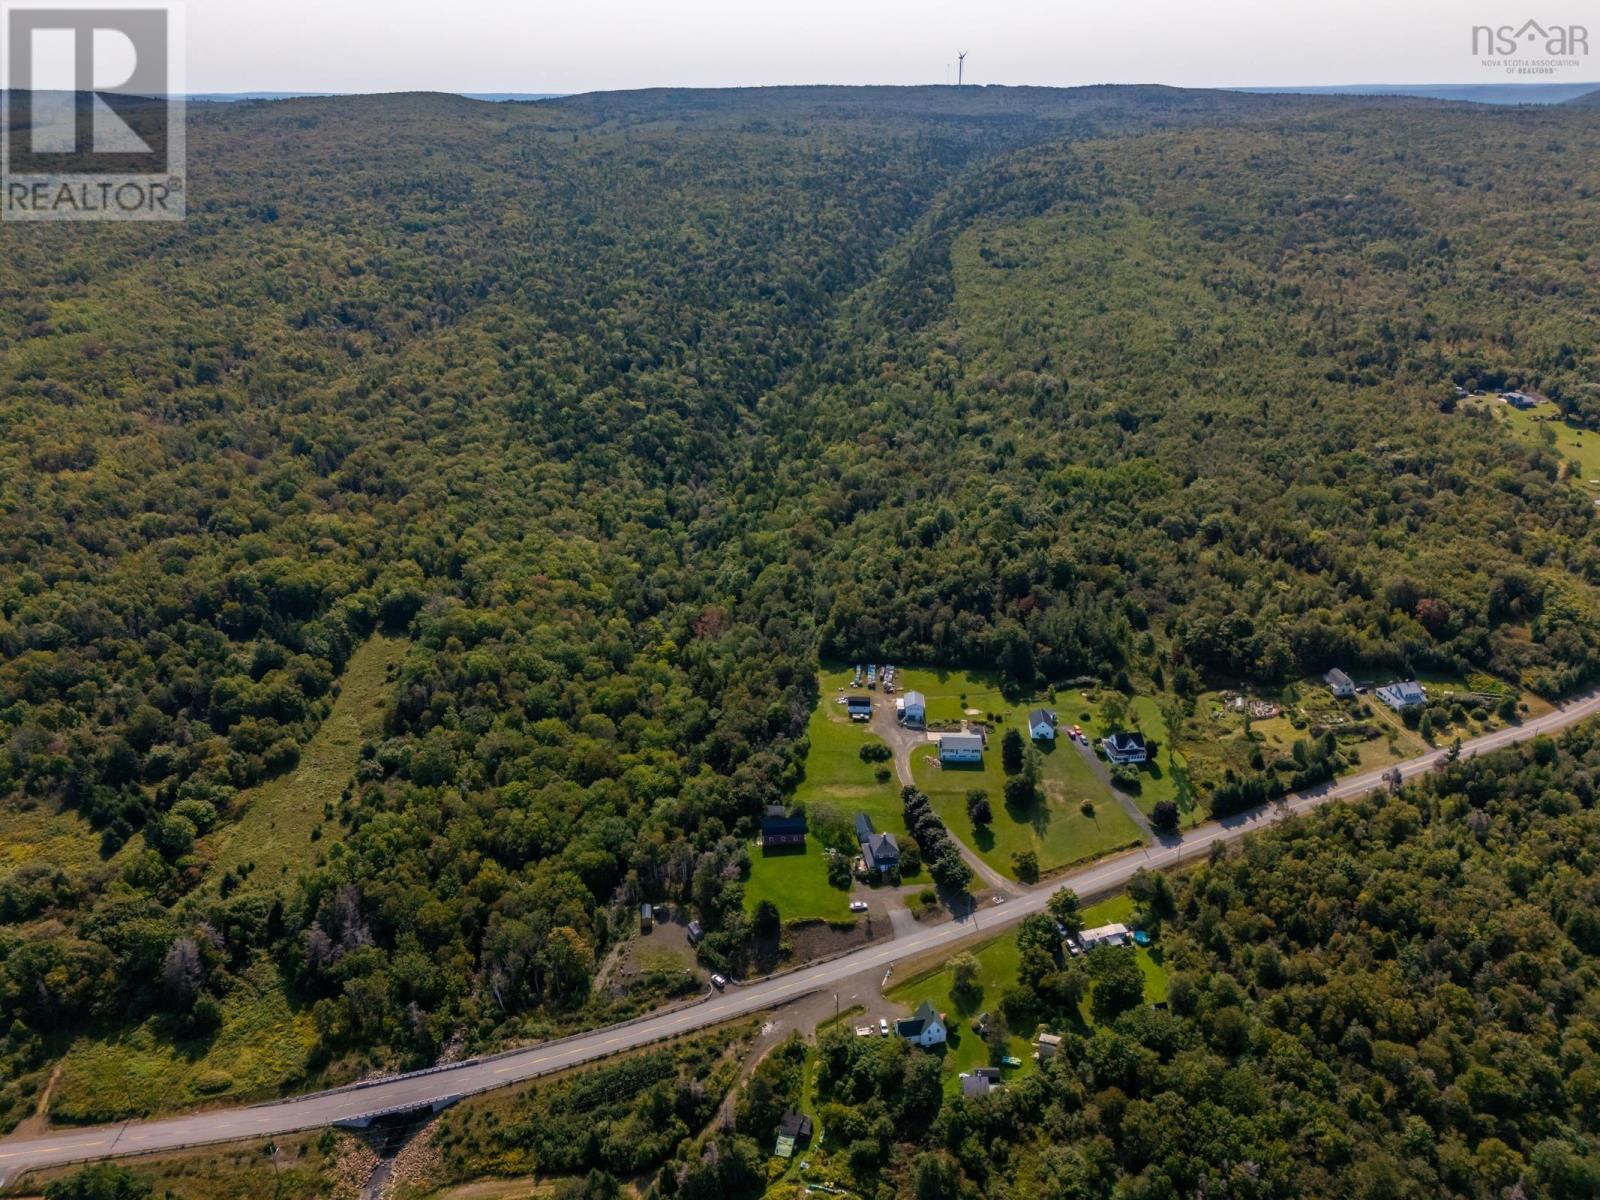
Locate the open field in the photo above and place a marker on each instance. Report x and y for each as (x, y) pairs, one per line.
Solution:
(273, 837)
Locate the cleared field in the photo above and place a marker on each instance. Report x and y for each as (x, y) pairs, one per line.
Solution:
(951, 694)
(263, 1045)
(273, 836)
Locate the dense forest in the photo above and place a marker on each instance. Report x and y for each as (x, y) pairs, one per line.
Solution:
(622, 409)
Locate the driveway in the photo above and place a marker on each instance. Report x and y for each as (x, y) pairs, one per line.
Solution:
(1135, 813)
(904, 742)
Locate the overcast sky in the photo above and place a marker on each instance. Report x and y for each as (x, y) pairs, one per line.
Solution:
(584, 45)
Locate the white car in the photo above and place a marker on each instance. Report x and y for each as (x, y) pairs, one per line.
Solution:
(883, 1026)
(718, 982)
(858, 906)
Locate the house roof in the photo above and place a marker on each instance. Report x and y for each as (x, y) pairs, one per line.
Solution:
(863, 827)
(1123, 741)
(1102, 933)
(912, 698)
(913, 1025)
(779, 821)
(1338, 677)
(1048, 1039)
(795, 1125)
(881, 845)
(960, 741)
(858, 701)
(1040, 716)
(980, 1081)
(1407, 691)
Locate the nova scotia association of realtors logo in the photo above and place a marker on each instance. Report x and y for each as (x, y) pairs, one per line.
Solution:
(93, 116)
(1531, 47)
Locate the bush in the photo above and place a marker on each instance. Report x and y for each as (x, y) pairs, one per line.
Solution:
(1164, 816)
(1026, 865)
(103, 1181)
(875, 752)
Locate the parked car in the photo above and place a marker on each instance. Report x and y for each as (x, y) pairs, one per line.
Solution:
(718, 982)
(858, 906)
(883, 1026)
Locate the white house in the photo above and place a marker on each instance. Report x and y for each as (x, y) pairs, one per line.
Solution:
(1403, 694)
(960, 747)
(1126, 749)
(1340, 684)
(1105, 935)
(924, 1027)
(915, 711)
(1042, 724)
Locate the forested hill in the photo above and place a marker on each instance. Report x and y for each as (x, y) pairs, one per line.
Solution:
(621, 408)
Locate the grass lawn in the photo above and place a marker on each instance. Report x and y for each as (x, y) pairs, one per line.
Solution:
(1056, 829)
(279, 816)
(797, 882)
(835, 775)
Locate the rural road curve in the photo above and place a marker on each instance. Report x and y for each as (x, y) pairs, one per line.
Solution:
(325, 1108)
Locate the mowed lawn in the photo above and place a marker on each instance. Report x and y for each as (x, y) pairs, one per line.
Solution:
(836, 776)
(1055, 827)
(797, 882)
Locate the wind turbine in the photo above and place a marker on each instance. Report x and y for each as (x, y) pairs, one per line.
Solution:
(961, 64)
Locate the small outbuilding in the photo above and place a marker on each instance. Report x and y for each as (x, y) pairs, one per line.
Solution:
(980, 1081)
(859, 707)
(915, 709)
(1340, 684)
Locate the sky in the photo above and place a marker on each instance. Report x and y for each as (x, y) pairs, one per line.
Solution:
(587, 45)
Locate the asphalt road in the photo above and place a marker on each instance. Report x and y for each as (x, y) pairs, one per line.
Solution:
(326, 1108)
